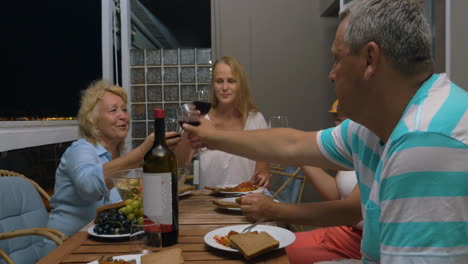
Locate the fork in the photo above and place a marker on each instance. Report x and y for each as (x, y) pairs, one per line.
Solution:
(252, 225)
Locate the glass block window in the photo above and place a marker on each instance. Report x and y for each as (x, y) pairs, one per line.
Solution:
(164, 78)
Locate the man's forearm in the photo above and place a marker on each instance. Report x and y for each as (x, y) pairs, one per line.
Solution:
(279, 145)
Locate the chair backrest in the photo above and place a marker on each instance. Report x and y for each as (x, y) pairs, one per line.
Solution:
(44, 195)
(292, 183)
(21, 207)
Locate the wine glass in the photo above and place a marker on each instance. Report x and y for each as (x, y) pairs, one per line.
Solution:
(182, 174)
(145, 236)
(202, 101)
(173, 126)
(275, 122)
(187, 113)
(278, 121)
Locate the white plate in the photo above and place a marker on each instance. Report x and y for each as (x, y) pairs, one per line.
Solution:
(233, 200)
(284, 236)
(185, 193)
(259, 190)
(136, 257)
(91, 232)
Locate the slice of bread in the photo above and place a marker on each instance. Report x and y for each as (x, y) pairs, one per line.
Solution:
(213, 189)
(185, 188)
(171, 255)
(252, 245)
(225, 204)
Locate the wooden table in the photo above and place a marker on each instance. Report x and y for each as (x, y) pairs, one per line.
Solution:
(197, 216)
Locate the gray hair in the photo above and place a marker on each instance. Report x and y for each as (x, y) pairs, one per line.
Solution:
(398, 27)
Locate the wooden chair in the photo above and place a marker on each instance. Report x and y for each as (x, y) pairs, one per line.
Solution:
(23, 214)
(44, 195)
(279, 170)
(292, 176)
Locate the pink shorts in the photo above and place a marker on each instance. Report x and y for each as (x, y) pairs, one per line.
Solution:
(324, 244)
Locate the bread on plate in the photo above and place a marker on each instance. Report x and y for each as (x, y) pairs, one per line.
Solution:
(252, 245)
(224, 204)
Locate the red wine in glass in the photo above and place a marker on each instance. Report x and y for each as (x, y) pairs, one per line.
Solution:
(203, 107)
(192, 123)
(176, 136)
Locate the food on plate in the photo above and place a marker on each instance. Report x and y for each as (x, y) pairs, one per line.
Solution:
(115, 219)
(107, 207)
(224, 240)
(110, 260)
(129, 188)
(242, 187)
(252, 245)
(225, 204)
(172, 255)
(239, 200)
(186, 188)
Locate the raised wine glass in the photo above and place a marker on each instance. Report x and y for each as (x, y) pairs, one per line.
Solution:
(202, 101)
(278, 121)
(173, 126)
(187, 113)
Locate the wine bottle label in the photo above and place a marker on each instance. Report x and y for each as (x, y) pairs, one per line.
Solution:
(157, 197)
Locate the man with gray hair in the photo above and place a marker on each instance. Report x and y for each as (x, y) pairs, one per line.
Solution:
(406, 138)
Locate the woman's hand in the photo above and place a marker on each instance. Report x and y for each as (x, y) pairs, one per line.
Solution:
(172, 139)
(261, 179)
(256, 206)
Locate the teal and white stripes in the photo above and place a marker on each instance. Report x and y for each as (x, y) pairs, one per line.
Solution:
(414, 188)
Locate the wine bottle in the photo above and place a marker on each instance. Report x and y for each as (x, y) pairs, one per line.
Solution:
(160, 190)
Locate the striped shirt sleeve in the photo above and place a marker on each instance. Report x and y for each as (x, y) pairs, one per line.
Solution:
(335, 146)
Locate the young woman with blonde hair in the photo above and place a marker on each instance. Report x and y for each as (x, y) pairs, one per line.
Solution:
(232, 108)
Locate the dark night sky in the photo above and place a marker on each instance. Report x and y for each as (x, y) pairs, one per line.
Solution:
(53, 52)
(52, 49)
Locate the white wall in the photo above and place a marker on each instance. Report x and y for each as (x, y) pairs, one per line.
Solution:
(285, 49)
(459, 43)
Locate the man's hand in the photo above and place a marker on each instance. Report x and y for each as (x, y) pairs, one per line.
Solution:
(256, 206)
(199, 136)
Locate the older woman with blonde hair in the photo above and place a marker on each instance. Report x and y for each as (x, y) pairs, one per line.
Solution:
(82, 180)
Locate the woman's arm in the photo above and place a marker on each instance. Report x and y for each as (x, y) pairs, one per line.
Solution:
(184, 151)
(134, 158)
(323, 183)
(262, 174)
(257, 206)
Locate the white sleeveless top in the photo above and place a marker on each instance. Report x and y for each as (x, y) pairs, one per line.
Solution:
(345, 182)
(221, 168)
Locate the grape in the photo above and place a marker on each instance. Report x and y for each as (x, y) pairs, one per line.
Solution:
(131, 216)
(118, 221)
(113, 222)
(136, 204)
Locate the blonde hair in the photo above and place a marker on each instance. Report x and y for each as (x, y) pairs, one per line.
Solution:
(87, 114)
(244, 102)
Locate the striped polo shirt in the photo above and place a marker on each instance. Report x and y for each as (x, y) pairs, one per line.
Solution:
(414, 187)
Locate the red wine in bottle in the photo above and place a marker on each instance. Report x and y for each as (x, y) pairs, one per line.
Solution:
(203, 107)
(160, 191)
